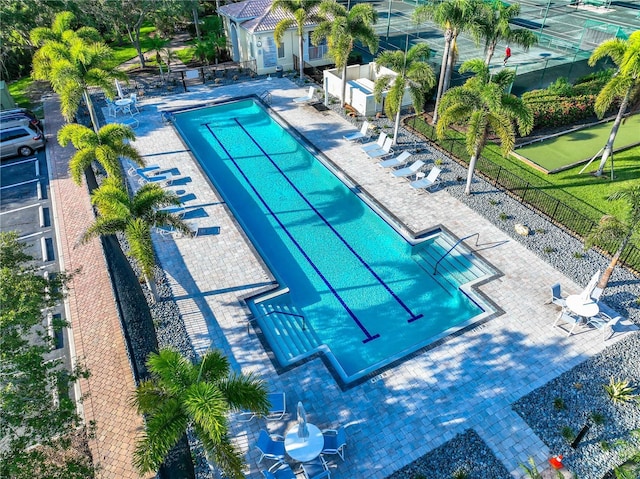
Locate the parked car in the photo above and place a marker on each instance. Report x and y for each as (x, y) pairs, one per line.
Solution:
(19, 137)
(17, 113)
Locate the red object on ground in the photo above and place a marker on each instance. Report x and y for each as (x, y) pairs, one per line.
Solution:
(556, 462)
(507, 52)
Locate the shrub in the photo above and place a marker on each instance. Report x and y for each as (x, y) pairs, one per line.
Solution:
(558, 404)
(619, 390)
(550, 111)
(567, 433)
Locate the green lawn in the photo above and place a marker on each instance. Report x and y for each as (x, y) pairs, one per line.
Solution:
(581, 145)
(585, 193)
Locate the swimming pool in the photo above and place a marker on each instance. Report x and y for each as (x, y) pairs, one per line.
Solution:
(351, 286)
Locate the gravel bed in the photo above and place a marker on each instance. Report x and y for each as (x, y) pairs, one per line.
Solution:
(465, 453)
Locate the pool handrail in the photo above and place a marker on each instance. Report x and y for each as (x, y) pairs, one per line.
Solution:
(435, 269)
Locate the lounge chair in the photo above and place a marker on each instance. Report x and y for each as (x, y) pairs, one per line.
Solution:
(271, 446)
(374, 145)
(409, 170)
(381, 152)
(604, 322)
(359, 135)
(280, 470)
(428, 181)
(335, 440)
(163, 179)
(316, 469)
(566, 317)
(134, 170)
(305, 99)
(556, 296)
(399, 160)
(277, 410)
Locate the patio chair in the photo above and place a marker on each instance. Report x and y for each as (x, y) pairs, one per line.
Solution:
(556, 295)
(596, 293)
(566, 317)
(381, 152)
(604, 322)
(399, 160)
(374, 145)
(316, 469)
(428, 181)
(359, 135)
(277, 410)
(134, 103)
(280, 470)
(271, 446)
(410, 170)
(112, 108)
(305, 99)
(335, 440)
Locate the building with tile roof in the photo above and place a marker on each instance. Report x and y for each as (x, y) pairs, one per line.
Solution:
(250, 25)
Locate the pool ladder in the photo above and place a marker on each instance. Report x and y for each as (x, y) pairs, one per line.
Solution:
(477, 235)
(265, 96)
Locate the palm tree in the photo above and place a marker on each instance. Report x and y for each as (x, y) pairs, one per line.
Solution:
(412, 71)
(625, 84)
(454, 16)
(483, 106)
(495, 27)
(180, 395)
(118, 213)
(72, 61)
(106, 147)
(298, 13)
(157, 43)
(610, 229)
(343, 30)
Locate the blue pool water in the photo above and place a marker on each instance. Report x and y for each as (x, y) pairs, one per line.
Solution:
(351, 286)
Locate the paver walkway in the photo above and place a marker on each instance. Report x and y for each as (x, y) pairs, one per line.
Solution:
(467, 382)
(98, 340)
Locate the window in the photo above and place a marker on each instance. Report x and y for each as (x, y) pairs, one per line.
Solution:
(8, 135)
(281, 50)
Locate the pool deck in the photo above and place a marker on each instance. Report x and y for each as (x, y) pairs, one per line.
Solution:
(467, 382)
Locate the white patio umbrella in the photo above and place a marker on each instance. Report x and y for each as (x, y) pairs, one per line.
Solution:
(586, 293)
(119, 88)
(303, 430)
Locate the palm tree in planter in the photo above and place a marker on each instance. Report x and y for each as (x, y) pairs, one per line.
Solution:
(119, 213)
(482, 105)
(611, 230)
(156, 45)
(343, 28)
(181, 394)
(106, 147)
(625, 84)
(495, 27)
(72, 61)
(298, 13)
(413, 71)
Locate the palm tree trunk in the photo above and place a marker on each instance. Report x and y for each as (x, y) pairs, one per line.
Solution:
(397, 126)
(608, 149)
(151, 284)
(196, 20)
(604, 280)
(92, 112)
(344, 84)
(472, 166)
(443, 69)
(491, 49)
(451, 59)
(301, 45)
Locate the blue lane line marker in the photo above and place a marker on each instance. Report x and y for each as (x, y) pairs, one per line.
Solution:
(412, 317)
(369, 337)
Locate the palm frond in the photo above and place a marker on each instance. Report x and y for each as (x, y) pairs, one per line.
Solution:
(214, 367)
(138, 234)
(246, 392)
(208, 408)
(223, 454)
(175, 372)
(79, 162)
(103, 226)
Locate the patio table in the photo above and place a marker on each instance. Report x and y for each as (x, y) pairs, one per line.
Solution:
(587, 308)
(304, 449)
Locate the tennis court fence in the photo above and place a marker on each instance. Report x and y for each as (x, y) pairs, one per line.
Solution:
(559, 213)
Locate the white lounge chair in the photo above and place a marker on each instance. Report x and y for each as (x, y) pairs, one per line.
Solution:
(399, 160)
(381, 152)
(409, 170)
(305, 99)
(427, 182)
(374, 145)
(359, 135)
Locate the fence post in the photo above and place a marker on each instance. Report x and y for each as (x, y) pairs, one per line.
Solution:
(495, 182)
(526, 188)
(553, 215)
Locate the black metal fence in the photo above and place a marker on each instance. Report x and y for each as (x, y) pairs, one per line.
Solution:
(562, 215)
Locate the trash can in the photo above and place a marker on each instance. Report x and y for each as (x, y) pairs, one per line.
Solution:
(279, 71)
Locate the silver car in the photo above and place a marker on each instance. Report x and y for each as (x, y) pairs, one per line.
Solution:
(19, 137)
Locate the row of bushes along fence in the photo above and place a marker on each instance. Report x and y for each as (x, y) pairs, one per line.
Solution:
(555, 210)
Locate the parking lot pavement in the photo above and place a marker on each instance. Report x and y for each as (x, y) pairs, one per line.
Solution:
(25, 207)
